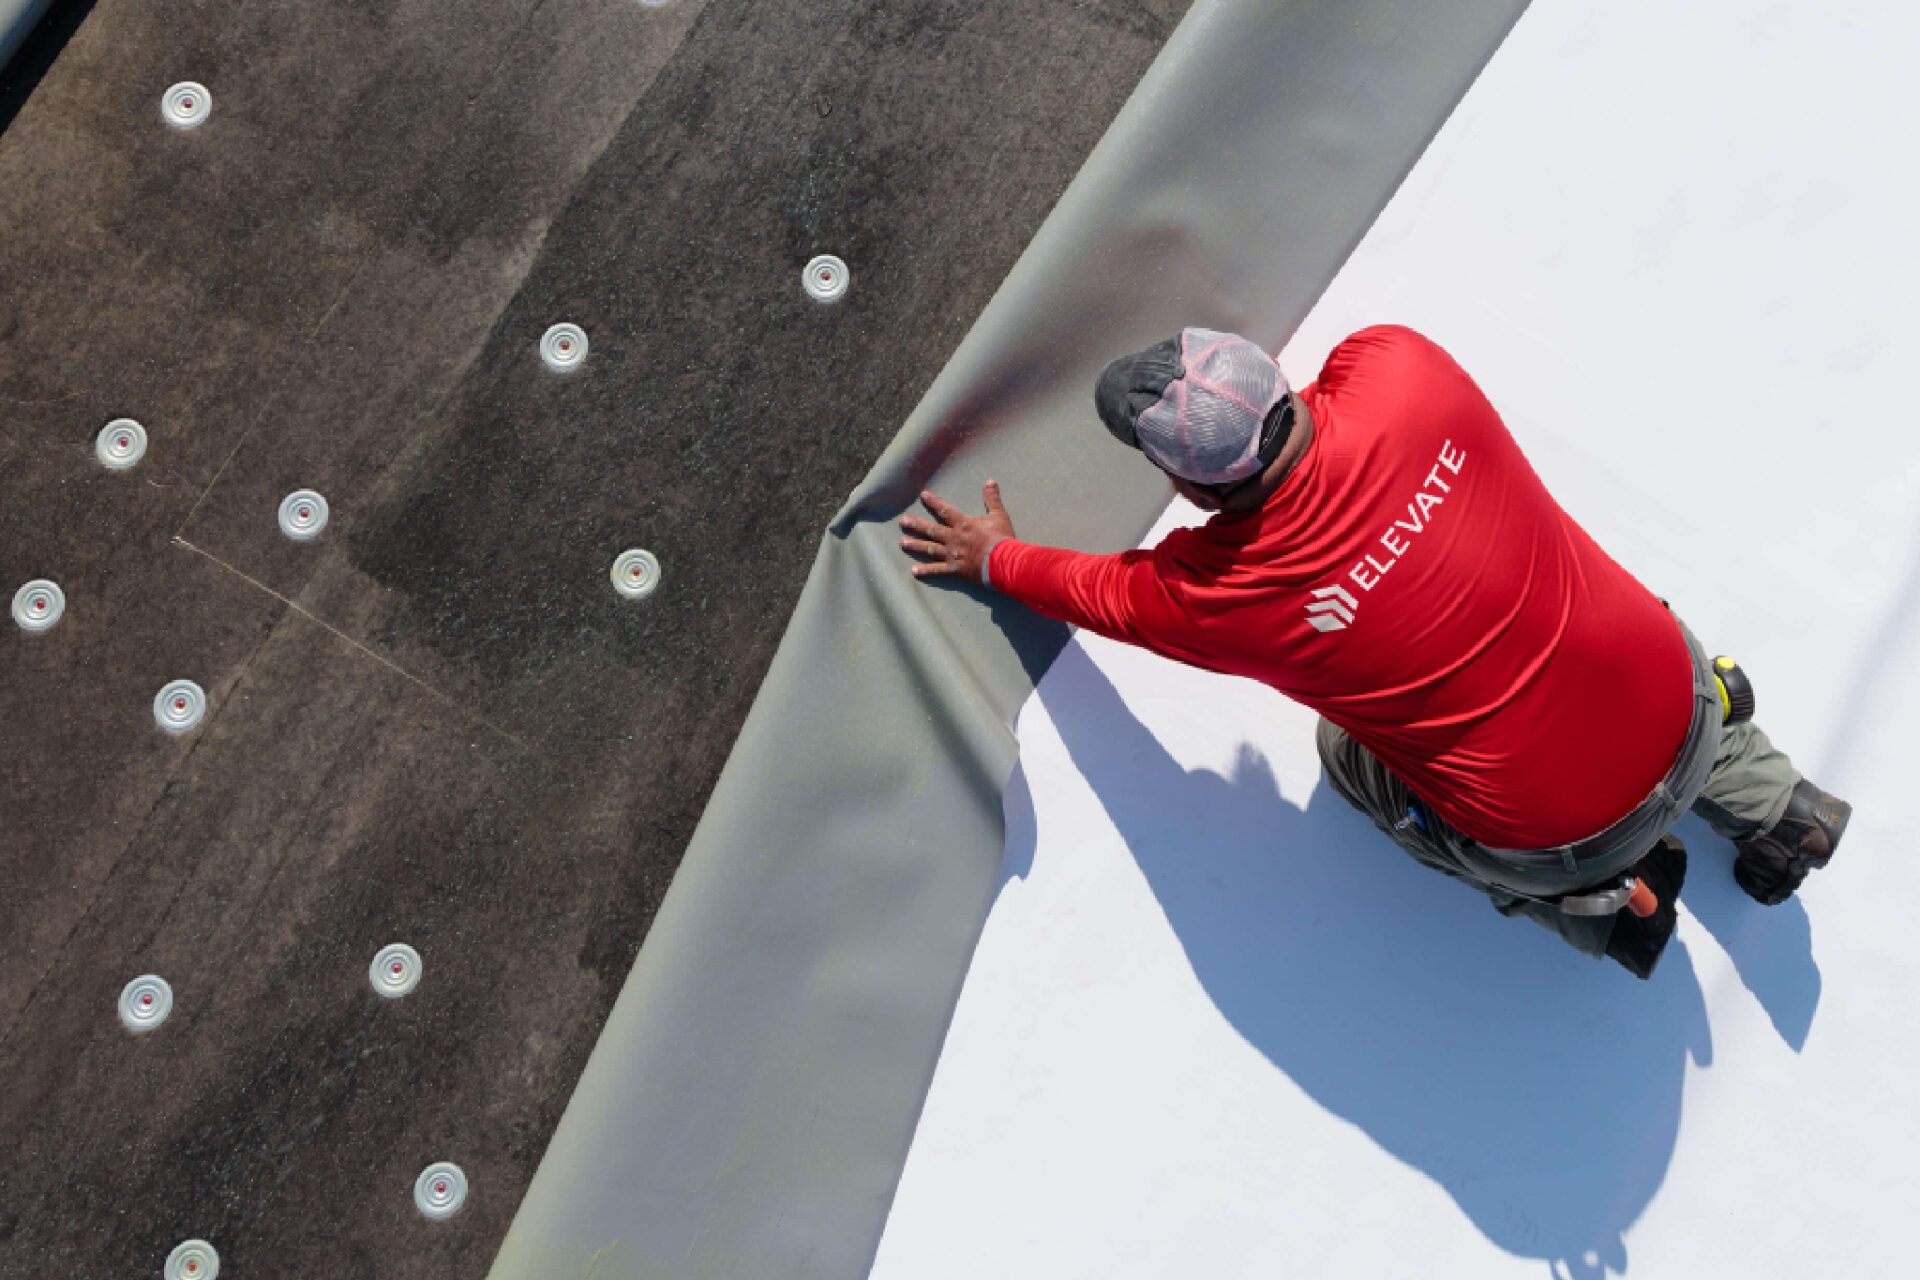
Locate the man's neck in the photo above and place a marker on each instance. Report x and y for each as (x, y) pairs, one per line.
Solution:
(1255, 495)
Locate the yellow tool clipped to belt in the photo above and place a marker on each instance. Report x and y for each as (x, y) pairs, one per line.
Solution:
(1736, 691)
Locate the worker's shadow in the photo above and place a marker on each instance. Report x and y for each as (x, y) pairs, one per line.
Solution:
(1541, 1088)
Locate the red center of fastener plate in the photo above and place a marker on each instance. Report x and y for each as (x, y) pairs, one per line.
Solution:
(440, 1187)
(40, 602)
(146, 999)
(123, 442)
(397, 966)
(179, 704)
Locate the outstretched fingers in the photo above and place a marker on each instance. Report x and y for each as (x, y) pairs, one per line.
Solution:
(958, 543)
(926, 538)
(921, 547)
(923, 529)
(943, 510)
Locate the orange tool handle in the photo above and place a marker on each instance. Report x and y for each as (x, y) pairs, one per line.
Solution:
(1643, 903)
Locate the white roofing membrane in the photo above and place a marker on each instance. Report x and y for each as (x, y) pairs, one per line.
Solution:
(1218, 1026)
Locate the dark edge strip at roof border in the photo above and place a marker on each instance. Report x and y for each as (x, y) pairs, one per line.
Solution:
(33, 33)
(749, 1105)
(16, 20)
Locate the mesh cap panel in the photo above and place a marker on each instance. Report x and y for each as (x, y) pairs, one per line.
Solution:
(1206, 426)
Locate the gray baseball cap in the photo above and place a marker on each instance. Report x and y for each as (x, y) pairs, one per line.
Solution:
(1198, 405)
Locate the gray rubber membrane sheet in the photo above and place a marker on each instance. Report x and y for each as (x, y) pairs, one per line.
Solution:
(751, 1101)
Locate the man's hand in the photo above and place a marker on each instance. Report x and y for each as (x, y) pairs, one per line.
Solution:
(958, 543)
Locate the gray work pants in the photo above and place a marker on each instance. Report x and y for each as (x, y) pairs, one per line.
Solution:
(1733, 777)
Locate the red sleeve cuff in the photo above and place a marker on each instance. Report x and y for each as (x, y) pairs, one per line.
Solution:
(986, 561)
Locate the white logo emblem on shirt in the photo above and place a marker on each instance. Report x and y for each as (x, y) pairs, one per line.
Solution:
(1332, 615)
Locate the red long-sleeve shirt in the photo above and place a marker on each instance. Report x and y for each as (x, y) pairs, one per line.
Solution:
(1413, 581)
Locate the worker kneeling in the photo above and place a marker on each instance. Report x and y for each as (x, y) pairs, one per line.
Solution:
(1505, 701)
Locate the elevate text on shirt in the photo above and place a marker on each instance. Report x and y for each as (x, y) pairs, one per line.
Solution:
(1424, 501)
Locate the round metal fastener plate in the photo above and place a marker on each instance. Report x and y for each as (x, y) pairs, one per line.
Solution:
(192, 1260)
(825, 278)
(179, 706)
(120, 444)
(186, 104)
(635, 573)
(303, 514)
(395, 970)
(145, 1003)
(564, 347)
(440, 1190)
(37, 605)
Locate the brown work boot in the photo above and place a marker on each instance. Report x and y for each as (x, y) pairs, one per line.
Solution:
(1772, 864)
